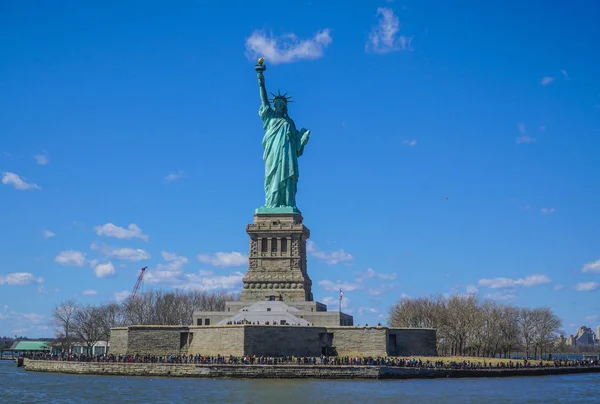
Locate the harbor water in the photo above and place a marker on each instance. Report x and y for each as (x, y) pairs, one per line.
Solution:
(20, 386)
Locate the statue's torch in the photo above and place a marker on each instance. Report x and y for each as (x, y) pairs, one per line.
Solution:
(260, 67)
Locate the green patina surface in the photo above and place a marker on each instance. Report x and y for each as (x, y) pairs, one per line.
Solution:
(30, 346)
(280, 209)
(282, 144)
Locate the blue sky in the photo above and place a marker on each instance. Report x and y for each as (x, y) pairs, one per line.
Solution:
(453, 149)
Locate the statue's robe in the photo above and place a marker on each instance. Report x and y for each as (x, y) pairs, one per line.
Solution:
(282, 147)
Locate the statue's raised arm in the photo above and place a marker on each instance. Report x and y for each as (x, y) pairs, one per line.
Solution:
(282, 144)
(260, 68)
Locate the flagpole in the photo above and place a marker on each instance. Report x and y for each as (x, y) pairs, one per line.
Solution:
(340, 304)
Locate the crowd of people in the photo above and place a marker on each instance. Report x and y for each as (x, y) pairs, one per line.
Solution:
(198, 359)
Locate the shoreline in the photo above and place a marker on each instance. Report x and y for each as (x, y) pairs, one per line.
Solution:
(285, 371)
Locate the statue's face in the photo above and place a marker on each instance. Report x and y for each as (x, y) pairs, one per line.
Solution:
(281, 106)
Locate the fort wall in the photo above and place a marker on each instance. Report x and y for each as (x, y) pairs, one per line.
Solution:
(272, 340)
(217, 340)
(284, 371)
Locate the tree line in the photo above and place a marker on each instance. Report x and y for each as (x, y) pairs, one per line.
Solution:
(467, 326)
(89, 324)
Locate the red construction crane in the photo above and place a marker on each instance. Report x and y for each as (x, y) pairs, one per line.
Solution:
(137, 284)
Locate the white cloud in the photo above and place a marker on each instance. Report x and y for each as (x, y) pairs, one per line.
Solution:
(564, 73)
(206, 283)
(375, 283)
(17, 182)
(591, 318)
(71, 258)
(123, 254)
(526, 139)
(104, 270)
(42, 289)
(48, 234)
(25, 322)
(370, 273)
(89, 292)
(501, 283)
(559, 287)
(168, 272)
(42, 159)
(547, 211)
(334, 302)
(122, 295)
(503, 296)
(172, 257)
(384, 37)
(472, 290)
(286, 48)
(129, 254)
(337, 285)
(587, 286)
(377, 291)
(367, 310)
(224, 259)
(593, 267)
(19, 279)
(33, 317)
(331, 258)
(410, 142)
(174, 176)
(111, 230)
(546, 80)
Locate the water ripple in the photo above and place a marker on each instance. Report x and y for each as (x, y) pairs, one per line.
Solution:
(19, 386)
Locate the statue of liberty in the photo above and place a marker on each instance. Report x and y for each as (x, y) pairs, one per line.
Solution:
(282, 145)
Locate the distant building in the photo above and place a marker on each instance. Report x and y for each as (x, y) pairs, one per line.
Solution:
(99, 348)
(80, 348)
(30, 346)
(585, 336)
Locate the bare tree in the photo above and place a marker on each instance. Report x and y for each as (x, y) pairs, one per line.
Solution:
(527, 321)
(64, 315)
(466, 326)
(110, 315)
(460, 320)
(139, 310)
(403, 314)
(509, 327)
(172, 308)
(546, 330)
(91, 324)
(88, 326)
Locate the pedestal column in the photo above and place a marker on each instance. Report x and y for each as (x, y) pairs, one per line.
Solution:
(271, 271)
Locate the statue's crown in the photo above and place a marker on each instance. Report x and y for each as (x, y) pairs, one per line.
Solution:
(280, 96)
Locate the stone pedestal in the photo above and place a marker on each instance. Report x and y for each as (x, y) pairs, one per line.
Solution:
(277, 260)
